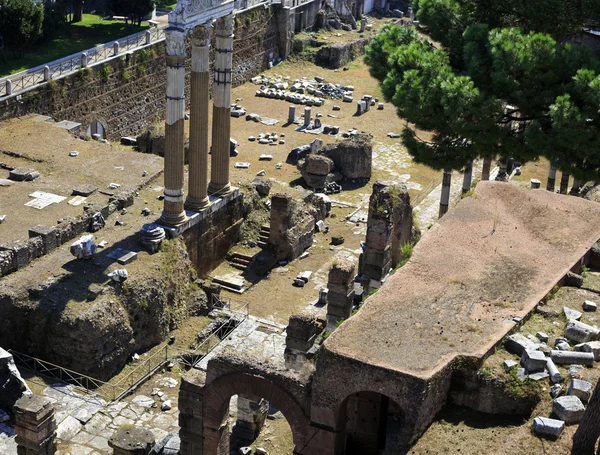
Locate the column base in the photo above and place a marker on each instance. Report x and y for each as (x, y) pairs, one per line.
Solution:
(172, 220)
(217, 189)
(195, 205)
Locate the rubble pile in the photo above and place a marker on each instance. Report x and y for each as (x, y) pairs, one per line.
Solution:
(308, 92)
(579, 347)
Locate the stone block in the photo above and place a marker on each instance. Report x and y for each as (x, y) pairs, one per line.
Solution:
(568, 408)
(48, 235)
(590, 346)
(588, 305)
(517, 344)
(581, 389)
(533, 360)
(509, 364)
(543, 426)
(84, 190)
(20, 253)
(571, 314)
(573, 279)
(542, 336)
(7, 262)
(581, 333)
(23, 175)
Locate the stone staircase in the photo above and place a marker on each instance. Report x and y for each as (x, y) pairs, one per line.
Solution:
(241, 261)
(265, 232)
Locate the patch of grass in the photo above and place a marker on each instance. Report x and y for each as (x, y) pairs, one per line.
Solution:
(90, 32)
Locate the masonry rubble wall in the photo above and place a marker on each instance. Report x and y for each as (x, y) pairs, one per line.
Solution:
(340, 54)
(127, 93)
(209, 241)
(292, 226)
(95, 333)
(389, 226)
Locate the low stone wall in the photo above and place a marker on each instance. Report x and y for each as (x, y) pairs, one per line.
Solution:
(17, 254)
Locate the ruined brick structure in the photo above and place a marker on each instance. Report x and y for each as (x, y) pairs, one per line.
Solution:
(389, 364)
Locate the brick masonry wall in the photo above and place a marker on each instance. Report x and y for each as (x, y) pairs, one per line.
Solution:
(127, 93)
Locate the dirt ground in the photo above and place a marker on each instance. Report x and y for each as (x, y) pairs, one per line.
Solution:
(45, 148)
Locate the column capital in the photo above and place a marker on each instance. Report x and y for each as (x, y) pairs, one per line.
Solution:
(175, 40)
(224, 26)
(201, 34)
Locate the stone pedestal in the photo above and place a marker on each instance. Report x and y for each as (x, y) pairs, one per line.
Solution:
(197, 197)
(173, 213)
(292, 114)
(130, 440)
(221, 127)
(35, 426)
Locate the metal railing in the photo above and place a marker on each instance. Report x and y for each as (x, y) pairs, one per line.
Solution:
(26, 80)
(236, 312)
(105, 390)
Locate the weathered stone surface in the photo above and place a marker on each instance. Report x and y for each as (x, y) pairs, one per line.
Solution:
(84, 247)
(262, 186)
(590, 346)
(352, 157)
(533, 360)
(571, 314)
(544, 426)
(129, 437)
(292, 226)
(573, 279)
(12, 385)
(570, 357)
(314, 170)
(555, 375)
(517, 344)
(568, 408)
(581, 333)
(581, 389)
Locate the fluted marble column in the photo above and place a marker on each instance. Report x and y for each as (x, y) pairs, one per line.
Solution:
(221, 126)
(173, 213)
(198, 155)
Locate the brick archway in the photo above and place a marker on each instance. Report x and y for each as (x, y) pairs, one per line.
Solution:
(216, 397)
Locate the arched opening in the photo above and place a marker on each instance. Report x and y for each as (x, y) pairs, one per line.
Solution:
(232, 423)
(97, 128)
(371, 423)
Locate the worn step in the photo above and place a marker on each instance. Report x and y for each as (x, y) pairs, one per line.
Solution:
(243, 256)
(262, 244)
(239, 266)
(263, 237)
(241, 261)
